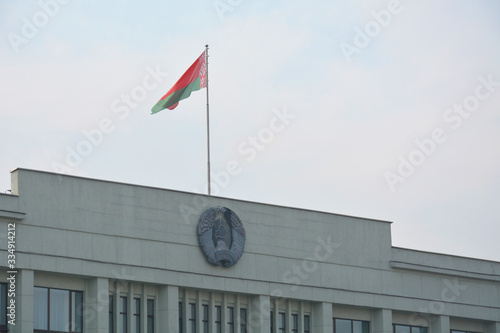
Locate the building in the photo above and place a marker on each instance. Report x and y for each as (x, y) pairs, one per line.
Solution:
(86, 255)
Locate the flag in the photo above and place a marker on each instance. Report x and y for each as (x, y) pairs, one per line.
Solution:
(194, 79)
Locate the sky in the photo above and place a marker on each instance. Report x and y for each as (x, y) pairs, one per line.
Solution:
(388, 110)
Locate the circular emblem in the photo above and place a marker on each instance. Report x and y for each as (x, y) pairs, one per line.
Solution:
(221, 236)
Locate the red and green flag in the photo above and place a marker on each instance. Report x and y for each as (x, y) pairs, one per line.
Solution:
(194, 79)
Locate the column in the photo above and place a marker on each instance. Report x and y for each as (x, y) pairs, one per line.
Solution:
(322, 317)
(212, 313)
(301, 317)
(96, 306)
(168, 309)
(186, 311)
(259, 314)
(24, 284)
(440, 324)
(288, 316)
(144, 309)
(116, 306)
(237, 319)
(224, 314)
(492, 327)
(199, 312)
(130, 309)
(276, 315)
(382, 321)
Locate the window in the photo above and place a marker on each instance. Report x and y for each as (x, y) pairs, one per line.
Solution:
(295, 323)
(180, 317)
(110, 312)
(307, 326)
(122, 323)
(3, 307)
(282, 322)
(408, 329)
(137, 314)
(151, 316)
(350, 326)
(243, 320)
(272, 322)
(192, 318)
(230, 320)
(41, 308)
(57, 310)
(218, 319)
(77, 311)
(205, 318)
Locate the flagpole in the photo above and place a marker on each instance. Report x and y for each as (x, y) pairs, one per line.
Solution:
(208, 123)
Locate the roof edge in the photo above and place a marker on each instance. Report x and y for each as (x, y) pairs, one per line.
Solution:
(200, 194)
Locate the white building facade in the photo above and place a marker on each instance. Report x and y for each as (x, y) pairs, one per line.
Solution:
(84, 255)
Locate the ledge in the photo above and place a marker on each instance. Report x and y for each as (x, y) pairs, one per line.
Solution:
(12, 215)
(446, 271)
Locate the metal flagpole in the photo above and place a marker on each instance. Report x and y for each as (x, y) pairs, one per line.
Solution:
(208, 123)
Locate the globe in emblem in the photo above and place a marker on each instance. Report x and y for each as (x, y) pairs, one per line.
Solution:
(221, 236)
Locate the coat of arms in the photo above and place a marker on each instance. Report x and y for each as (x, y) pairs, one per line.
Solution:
(221, 236)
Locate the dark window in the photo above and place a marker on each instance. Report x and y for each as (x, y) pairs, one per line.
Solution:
(218, 319)
(342, 326)
(230, 320)
(3, 307)
(282, 322)
(192, 318)
(205, 318)
(272, 322)
(151, 316)
(110, 312)
(57, 310)
(350, 326)
(295, 323)
(122, 323)
(137, 314)
(180, 317)
(243, 320)
(41, 308)
(408, 329)
(401, 328)
(77, 311)
(307, 324)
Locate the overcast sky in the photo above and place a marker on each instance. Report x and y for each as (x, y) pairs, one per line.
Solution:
(381, 109)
